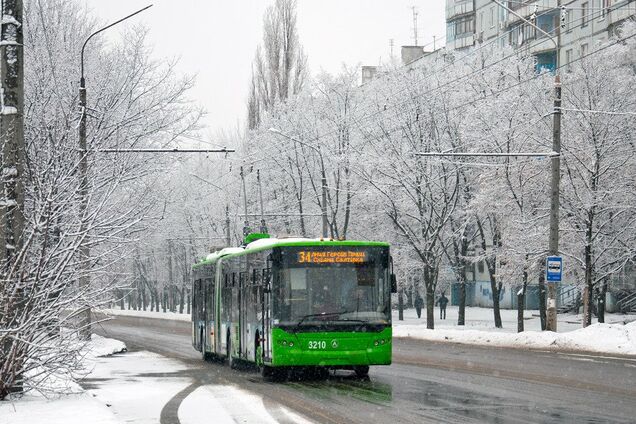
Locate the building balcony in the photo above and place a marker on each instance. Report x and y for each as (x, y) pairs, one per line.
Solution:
(458, 8)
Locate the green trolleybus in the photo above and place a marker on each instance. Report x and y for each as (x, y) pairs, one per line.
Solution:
(295, 303)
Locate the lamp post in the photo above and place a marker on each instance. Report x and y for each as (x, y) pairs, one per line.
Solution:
(325, 226)
(84, 280)
(555, 166)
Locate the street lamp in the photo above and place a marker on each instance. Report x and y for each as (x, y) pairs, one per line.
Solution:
(555, 167)
(323, 177)
(84, 280)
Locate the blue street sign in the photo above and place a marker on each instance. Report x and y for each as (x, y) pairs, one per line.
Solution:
(553, 269)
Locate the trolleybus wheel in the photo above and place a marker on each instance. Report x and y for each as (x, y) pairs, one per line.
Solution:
(273, 373)
(361, 370)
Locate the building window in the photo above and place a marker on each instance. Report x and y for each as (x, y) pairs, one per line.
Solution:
(605, 5)
(568, 60)
(464, 26)
(480, 267)
(568, 20)
(492, 17)
(584, 49)
(584, 10)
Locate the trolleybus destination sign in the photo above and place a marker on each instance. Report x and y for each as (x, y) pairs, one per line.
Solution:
(331, 257)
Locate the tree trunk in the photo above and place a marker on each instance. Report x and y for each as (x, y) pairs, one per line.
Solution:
(409, 295)
(588, 275)
(542, 300)
(430, 306)
(495, 288)
(181, 299)
(601, 302)
(461, 316)
(521, 300)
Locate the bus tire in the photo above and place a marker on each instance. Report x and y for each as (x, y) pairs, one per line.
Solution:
(273, 373)
(361, 371)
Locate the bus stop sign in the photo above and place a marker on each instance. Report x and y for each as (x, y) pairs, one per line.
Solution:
(554, 269)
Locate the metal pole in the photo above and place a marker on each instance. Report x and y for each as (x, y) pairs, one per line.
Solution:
(555, 165)
(84, 279)
(227, 225)
(263, 228)
(246, 227)
(324, 201)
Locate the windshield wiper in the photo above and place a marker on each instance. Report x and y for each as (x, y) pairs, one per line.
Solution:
(322, 314)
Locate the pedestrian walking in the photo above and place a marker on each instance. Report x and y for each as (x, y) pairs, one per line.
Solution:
(443, 301)
(419, 302)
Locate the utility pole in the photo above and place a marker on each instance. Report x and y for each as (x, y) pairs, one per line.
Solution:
(263, 228)
(325, 225)
(228, 237)
(555, 164)
(84, 253)
(555, 167)
(246, 226)
(11, 186)
(170, 285)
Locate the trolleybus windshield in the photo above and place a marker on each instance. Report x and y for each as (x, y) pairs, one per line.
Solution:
(338, 285)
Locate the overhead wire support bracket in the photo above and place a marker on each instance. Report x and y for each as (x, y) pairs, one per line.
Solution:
(483, 154)
(173, 150)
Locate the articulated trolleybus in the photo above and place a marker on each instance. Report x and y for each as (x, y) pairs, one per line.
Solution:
(283, 304)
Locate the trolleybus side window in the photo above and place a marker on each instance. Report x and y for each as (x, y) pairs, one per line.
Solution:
(209, 299)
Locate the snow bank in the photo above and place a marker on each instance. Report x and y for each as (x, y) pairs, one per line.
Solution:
(606, 338)
(147, 314)
(103, 346)
(71, 409)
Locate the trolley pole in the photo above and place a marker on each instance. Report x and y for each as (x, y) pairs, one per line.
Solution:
(555, 165)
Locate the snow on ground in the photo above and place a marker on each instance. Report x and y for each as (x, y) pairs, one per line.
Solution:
(68, 409)
(72, 407)
(136, 379)
(147, 314)
(615, 337)
(229, 405)
(103, 346)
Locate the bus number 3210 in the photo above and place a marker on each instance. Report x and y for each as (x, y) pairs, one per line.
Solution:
(317, 344)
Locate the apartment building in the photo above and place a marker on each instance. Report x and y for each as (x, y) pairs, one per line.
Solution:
(574, 26)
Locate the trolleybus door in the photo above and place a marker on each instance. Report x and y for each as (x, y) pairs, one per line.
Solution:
(242, 295)
(266, 330)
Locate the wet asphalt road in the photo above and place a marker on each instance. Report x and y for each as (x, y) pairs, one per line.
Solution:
(427, 383)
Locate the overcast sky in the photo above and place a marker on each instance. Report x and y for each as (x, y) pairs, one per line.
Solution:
(216, 39)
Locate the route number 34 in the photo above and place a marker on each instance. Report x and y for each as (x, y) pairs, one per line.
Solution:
(317, 344)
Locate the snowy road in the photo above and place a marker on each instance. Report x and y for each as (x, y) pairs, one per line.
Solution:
(428, 382)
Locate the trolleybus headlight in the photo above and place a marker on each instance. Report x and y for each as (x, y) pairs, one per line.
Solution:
(382, 341)
(375, 343)
(291, 344)
(284, 342)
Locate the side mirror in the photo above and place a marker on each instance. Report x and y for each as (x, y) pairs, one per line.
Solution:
(393, 284)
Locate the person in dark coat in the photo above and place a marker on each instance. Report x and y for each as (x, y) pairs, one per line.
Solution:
(419, 302)
(443, 301)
